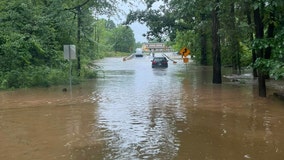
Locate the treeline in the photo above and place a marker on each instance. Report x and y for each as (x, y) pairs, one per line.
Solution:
(236, 33)
(33, 32)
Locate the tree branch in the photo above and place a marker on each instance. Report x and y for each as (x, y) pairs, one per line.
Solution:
(78, 6)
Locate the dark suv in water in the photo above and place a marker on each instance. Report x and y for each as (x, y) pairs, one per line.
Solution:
(159, 62)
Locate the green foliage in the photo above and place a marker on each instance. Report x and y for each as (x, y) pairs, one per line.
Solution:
(275, 68)
(33, 76)
(122, 39)
(58, 76)
(246, 56)
(32, 35)
(89, 73)
(111, 39)
(275, 65)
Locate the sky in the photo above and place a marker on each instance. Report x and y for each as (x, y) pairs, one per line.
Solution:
(139, 30)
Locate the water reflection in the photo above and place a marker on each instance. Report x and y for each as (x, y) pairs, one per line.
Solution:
(133, 119)
(136, 112)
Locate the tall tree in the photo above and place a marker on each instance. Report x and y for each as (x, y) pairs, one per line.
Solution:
(123, 39)
(267, 16)
(259, 34)
(216, 48)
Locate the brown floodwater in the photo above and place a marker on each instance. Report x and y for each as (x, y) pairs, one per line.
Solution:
(135, 112)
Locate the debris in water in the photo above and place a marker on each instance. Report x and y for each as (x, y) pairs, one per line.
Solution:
(247, 156)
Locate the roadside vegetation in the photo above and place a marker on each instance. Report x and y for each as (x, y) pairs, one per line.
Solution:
(32, 35)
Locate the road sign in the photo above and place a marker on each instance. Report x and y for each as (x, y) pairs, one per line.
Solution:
(69, 52)
(184, 52)
(185, 60)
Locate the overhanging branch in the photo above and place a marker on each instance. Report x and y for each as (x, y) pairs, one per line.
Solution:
(78, 6)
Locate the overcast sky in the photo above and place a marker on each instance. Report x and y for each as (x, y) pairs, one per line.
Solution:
(139, 30)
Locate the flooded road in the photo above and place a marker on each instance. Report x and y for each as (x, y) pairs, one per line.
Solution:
(135, 112)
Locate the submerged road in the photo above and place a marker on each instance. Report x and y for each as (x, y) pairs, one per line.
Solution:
(135, 112)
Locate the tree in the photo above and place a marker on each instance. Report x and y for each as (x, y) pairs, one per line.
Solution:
(33, 34)
(80, 9)
(266, 15)
(28, 32)
(123, 39)
(216, 50)
(29, 42)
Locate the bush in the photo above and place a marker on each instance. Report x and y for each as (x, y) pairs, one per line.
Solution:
(15, 79)
(40, 76)
(43, 76)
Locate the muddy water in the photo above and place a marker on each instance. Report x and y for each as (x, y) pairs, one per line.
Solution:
(135, 112)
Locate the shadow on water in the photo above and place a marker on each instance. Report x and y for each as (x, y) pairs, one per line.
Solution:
(136, 112)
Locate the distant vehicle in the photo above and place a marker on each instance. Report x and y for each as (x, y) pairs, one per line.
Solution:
(159, 62)
(138, 52)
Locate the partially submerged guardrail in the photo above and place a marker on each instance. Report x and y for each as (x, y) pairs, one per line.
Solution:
(128, 58)
(169, 58)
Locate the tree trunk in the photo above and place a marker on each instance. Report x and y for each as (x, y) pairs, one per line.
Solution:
(216, 49)
(78, 10)
(261, 85)
(259, 34)
(234, 41)
(203, 44)
(79, 39)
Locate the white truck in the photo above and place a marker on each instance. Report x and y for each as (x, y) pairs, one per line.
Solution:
(138, 52)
